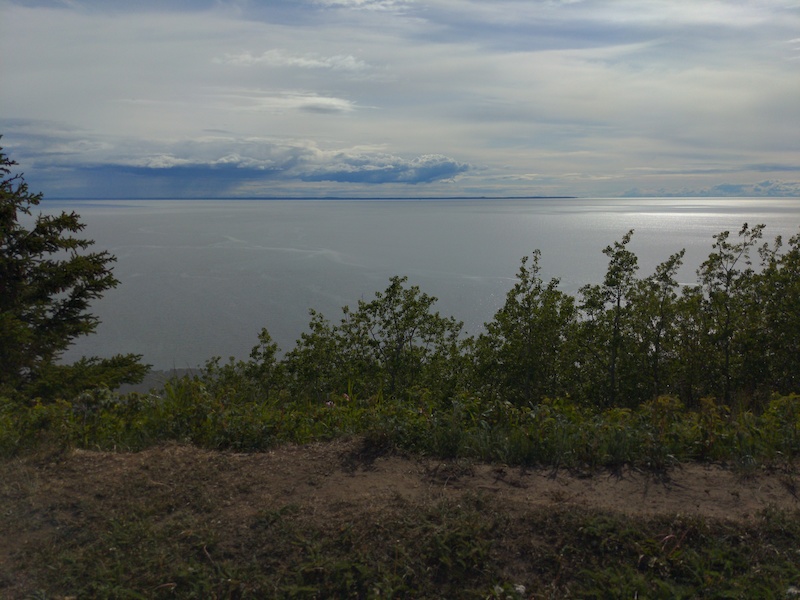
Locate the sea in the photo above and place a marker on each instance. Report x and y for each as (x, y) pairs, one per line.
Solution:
(201, 278)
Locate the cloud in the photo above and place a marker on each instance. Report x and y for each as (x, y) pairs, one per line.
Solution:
(280, 102)
(384, 168)
(237, 175)
(281, 58)
(381, 5)
(659, 13)
(591, 97)
(774, 168)
(771, 189)
(305, 162)
(216, 164)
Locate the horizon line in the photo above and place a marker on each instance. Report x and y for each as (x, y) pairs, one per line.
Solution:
(312, 198)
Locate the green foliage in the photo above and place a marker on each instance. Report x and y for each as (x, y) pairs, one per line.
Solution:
(775, 354)
(558, 433)
(654, 314)
(47, 282)
(246, 381)
(522, 357)
(69, 381)
(726, 278)
(604, 336)
(637, 373)
(390, 345)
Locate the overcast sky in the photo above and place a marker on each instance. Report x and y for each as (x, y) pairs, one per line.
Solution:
(208, 98)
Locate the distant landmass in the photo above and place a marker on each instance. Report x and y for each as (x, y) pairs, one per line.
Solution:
(762, 189)
(51, 197)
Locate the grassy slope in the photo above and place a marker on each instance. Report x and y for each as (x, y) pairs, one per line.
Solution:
(346, 519)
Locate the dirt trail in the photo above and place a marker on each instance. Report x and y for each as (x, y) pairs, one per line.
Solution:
(45, 498)
(342, 473)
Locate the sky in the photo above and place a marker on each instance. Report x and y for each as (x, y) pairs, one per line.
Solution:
(402, 98)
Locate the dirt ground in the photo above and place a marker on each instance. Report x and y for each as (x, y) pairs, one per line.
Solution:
(40, 493)
(327, 474)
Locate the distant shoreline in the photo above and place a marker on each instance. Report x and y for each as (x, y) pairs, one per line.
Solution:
(410, 198)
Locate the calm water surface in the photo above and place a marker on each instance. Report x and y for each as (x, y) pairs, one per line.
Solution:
(200, 278)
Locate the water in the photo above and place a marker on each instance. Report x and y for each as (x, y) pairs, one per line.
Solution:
(201, 278)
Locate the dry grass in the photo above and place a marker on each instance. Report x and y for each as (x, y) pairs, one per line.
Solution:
(342, 519)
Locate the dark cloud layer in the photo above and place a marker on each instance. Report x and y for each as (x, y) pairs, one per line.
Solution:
(220, 166)
(389, 169)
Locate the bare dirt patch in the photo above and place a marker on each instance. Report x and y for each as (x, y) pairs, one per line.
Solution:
(44, 496)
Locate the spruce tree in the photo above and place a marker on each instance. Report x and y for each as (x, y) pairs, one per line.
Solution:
(48, 279)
